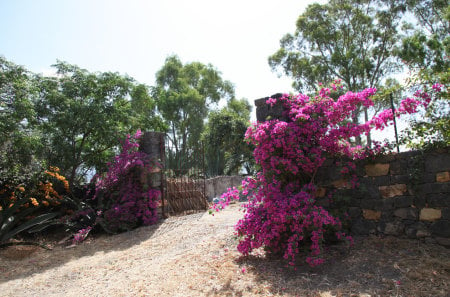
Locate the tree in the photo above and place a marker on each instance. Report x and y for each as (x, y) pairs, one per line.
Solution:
(226, 150)
(184, 95)
(20, 141)
(426, 50)
(350, 40)
(82, 116)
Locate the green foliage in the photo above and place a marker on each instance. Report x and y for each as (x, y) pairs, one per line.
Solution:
(226, 151)
(426, 52)
(349, 40)
(32, 205)
(82, 114)
(427, 46)
(20, 142)
(184, 95)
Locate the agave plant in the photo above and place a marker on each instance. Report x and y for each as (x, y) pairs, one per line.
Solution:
(13, 219)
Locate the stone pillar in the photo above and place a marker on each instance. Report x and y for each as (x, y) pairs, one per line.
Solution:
(265, 111)
(153, 144)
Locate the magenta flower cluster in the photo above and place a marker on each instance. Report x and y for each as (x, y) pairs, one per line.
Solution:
(123, 193)
(81, 235)
(282, 215)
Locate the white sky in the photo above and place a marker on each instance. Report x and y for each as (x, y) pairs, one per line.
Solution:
(134, 37)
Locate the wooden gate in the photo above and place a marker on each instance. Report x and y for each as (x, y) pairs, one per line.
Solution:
(184, 180)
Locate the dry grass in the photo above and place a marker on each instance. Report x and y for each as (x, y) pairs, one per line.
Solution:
(195, 255)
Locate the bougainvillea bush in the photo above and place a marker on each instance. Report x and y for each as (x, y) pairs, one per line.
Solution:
(282, 215)
(123, 196)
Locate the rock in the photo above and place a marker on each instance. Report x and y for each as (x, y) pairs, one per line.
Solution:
(341, 184)
(430, 214)
(406, 213)
(441, 228)
(320, 192)
(377, 169)
(393, 190)
(363, 227)
(442, 177)
(394, 228)
(369, 214)
(403, 201)
(443, 241)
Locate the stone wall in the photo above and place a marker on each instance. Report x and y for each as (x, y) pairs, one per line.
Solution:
(406, 194)
(218, 185)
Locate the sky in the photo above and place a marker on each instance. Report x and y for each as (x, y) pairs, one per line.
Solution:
(134, 37)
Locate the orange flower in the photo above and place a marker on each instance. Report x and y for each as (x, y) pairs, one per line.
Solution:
(1, 208)
(45, 203)
(21, 189)
(34, 201)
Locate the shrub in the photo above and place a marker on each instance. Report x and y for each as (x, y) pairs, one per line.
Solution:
(32, 205)
(282, 215)
(123, 196)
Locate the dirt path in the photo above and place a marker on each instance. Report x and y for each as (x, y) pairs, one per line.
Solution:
(195, 255)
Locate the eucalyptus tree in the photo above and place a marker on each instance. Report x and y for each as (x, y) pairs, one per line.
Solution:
(349, 40)
(226, 150)
(426, 51)
(184, 95)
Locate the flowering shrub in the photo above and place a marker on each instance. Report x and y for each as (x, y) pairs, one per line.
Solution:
(281, 214)
(30, 206)
(123, 196)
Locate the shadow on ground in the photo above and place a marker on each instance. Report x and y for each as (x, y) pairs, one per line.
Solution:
(21, 261)
(372, 267)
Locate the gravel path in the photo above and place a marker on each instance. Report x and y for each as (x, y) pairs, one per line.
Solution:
(150, 261)
(195, 255)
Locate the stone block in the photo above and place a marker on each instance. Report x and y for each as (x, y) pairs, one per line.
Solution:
(407, 213)
(427, 178)
(377, 169)
(372, 204)
(363, 227)
(393, 228)
(438, 200)
(430, 214)
(354, 212)
(420, 201)
(422, 233)
(399, 179)
(403, 201)
(432, 188)
(441, 228)
(341, 184)
(320, 192)
(381, 180)
(443, 241)
(445, 213)
(393, 190)
(437, 162)
(417, 230)
(369, 214)
(442, 177)
(399, 167)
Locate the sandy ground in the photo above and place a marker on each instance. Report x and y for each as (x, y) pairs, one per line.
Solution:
(195, 255)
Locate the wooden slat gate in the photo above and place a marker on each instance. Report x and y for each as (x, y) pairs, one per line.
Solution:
(184, 184)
